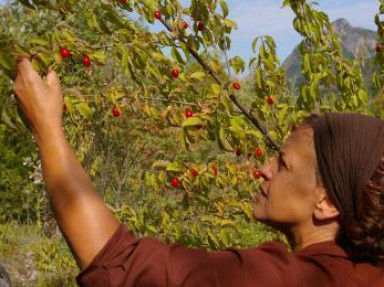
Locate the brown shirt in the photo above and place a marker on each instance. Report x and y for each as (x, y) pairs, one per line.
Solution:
(131, 262)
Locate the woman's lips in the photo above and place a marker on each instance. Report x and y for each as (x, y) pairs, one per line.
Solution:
(263, 192)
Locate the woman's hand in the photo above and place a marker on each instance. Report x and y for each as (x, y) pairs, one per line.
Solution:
(41, 100)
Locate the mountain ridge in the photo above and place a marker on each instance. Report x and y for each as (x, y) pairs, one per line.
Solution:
(356, 43)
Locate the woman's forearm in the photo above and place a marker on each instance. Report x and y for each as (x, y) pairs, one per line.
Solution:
(83, 217)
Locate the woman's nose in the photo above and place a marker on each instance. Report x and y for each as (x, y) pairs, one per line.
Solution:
(266, 171)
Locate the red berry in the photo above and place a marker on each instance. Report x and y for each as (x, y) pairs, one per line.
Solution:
(123, 2)
(378, 48)
(184, 25)
(214, 171)
(115, 112)
(175, 73)
(158, 15)
(64, 52)
(270, 101)
(194, 172)
(238, 152)
(200, 26)
(258, 152)
(256, 174)
(188, 113)
(175, 182)
(249, 154)
(86, 61)
(236, 86)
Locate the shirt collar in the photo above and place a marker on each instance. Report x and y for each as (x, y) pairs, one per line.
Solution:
(330, 248)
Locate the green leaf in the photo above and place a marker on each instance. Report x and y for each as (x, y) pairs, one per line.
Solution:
(174, 166)
(84, 110)
(254, 44)
(160, 164)
(224, 8)
(213, 240)
(259, 78)
(286, 3)
(194, 121)
(223, 142)
(26, 3)
(6, 120)
(230, 24)
(38, 41)
(98, 56)
(198, 76)
(237, 64)
(69, 36)
(216, 89)
(6, 61)
(227, 222)
(176, 56)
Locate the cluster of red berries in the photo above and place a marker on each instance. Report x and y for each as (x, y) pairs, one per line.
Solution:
(64, 52)
(258, 153)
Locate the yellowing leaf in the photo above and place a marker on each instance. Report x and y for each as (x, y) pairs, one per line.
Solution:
(198, 76)
(160, 164)
(174, 166)
(194, 121)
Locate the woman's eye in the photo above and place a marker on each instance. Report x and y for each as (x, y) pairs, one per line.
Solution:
(281, 162)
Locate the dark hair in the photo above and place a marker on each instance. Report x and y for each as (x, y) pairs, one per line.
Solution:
(362, 235)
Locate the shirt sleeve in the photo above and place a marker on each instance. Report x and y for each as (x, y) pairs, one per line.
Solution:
(147, 262)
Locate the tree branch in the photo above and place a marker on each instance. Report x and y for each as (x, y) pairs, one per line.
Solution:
(233, 98)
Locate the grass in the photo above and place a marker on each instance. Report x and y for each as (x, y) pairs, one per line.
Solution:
(32, 259)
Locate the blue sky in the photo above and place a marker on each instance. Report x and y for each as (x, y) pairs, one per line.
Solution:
(259, 17)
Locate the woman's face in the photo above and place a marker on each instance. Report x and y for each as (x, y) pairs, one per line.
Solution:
(287, 196)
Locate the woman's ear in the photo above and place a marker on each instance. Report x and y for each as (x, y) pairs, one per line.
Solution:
(324, 208)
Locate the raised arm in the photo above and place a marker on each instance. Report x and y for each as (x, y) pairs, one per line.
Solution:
(83, 217)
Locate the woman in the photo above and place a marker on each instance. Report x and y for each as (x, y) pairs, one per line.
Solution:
(324, 191)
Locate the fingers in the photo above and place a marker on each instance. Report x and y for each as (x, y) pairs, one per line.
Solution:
(26, 71)
(53, 79)
(18, 85)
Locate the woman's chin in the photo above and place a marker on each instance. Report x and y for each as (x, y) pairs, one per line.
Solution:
(259, 215)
